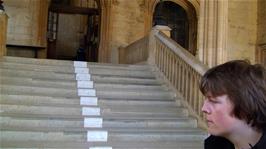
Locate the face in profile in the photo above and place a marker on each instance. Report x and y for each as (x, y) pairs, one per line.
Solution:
(219, 117)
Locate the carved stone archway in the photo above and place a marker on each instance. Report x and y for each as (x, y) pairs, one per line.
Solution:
(192, 10)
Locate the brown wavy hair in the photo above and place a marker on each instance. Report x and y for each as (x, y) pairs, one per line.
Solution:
(245, 85)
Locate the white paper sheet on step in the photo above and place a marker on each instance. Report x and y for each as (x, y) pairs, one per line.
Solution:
(91, 111)
(81, 70)
(84, 84)
(80, 64)
(97, 136)
(93, 122)
(83, 77)
(89, 101)
(86, 92)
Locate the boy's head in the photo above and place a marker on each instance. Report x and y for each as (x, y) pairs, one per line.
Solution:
(245, 85)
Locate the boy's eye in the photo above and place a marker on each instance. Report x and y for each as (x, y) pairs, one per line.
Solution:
(212, 100)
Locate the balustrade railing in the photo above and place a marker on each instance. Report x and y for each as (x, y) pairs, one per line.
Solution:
(182, 70)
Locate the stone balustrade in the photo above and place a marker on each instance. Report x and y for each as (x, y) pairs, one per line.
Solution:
(181, 70)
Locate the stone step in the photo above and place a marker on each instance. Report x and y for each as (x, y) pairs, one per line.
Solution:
(109, 129)
(38, 100)
(67, 84)
(37, 74)
(150, 123)
(155, 95)
(171, 135)
(41, 91)
(122, 73)
(72, 93)
(17, 123)
(114, 145)
(41, 136)
(142, 136)
(79, 117)
(52, 76)
(70, 69)
(131, 87)
(125, 80)
(139, 102)
(33, 67)
(62, 101)
(73, 84)
(77, 111)
(64, 63)
(119, 66)
(104, 108)
(36, 61)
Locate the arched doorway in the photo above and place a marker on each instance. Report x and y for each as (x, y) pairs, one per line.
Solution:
(73, 30)
(182, 20)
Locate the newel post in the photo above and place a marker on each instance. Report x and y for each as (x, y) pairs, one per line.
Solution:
(152, 42)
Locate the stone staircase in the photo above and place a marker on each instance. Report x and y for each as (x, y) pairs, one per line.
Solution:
(66, 104)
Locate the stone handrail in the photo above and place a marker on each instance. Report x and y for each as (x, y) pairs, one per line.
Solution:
(182, 53)
(182, 70)
(135, 52)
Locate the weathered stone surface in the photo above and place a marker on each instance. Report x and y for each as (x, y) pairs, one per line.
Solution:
(242, 30)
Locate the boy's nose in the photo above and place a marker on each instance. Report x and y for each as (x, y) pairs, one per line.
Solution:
(205, 108)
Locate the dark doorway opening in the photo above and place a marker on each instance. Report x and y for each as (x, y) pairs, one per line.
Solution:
(175, 17)
(72, 32)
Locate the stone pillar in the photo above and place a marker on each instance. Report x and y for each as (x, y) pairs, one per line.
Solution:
(106, 30)
(213, 23)
(3, 32)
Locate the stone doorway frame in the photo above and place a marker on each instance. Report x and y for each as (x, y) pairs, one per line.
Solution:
(192, 10)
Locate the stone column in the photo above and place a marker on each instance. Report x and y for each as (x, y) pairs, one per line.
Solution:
(106, 30)
(213, 23)
(3, 32)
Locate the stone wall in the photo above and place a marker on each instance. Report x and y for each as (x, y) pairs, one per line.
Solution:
(261, 35)
(22, 25)
(242, 29)
(27, 23)
(261, 22)
(127, 24)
